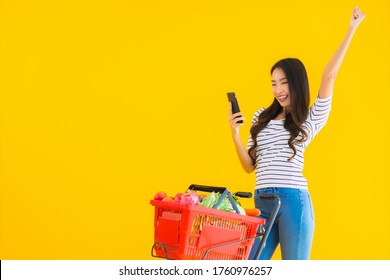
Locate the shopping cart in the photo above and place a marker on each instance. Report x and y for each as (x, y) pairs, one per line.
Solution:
(192, 232)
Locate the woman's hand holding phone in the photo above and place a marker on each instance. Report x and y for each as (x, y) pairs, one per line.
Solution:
(235, 115)
(234, 120)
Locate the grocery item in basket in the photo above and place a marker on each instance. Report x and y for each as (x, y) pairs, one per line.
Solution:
(160, 195)
(209, 200)
(212, 199)
(178, 197)
(252, 212)
(190, 197)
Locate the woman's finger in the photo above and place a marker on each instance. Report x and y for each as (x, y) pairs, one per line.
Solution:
(236, 116)
(235, 121)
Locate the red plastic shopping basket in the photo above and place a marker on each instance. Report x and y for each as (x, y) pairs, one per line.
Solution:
(188, 232)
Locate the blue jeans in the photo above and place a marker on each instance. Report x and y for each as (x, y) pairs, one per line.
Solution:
(293, 227)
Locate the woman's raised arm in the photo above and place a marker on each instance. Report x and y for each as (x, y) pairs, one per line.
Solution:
(331, 70)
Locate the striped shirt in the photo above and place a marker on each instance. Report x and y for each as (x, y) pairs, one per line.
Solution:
(272, 152)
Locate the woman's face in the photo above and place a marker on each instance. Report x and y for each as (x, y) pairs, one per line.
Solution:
(280, 88)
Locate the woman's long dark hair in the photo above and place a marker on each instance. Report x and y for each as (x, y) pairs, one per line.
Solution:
(298, 84)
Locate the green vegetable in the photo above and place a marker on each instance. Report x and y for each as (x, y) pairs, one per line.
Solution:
(209, 200)
(212, 199)
(225, 205)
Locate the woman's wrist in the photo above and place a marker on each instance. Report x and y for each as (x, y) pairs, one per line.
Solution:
(235, 135)
(351, 29)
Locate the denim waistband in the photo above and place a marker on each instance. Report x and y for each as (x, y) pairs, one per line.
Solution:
(280, 190)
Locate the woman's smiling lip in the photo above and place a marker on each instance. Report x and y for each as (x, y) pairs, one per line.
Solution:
(282, 97)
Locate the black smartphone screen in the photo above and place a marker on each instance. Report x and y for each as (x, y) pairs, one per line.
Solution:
(233, 99)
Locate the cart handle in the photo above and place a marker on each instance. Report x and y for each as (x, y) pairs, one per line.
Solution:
(206, 188)
(218, 189)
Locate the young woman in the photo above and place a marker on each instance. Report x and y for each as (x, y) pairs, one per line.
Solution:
(279, 137)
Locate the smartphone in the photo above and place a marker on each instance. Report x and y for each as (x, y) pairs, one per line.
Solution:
(235, 108)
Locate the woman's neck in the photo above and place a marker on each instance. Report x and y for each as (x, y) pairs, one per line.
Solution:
(282, 114)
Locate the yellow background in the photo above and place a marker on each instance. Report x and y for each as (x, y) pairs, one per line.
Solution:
(104, 103)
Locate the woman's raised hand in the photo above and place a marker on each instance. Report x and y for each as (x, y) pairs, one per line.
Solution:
(357, 17)
(233, 120)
